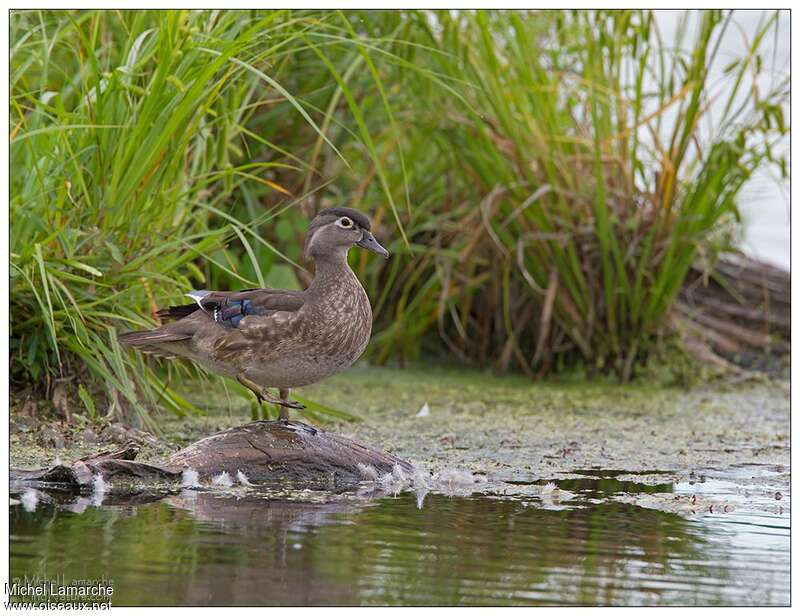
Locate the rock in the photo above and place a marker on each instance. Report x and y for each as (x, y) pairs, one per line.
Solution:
(52, 437)
(23, 423)
(29, 408)
(61, 402)
(117, 433)
(114, 433)
(141, 437)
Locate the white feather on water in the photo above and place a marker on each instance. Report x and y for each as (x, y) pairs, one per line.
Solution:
(447, 481)
(389, 484)
(99, 484)
(242, 478)
(552, 495)
(421, 479)
(29, 500)
(453, 480)
(99, 489)
(223, 479)
(549, 488)
(190, 478)
(399, 475)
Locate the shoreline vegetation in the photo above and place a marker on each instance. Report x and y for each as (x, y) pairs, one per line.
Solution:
(555, 190)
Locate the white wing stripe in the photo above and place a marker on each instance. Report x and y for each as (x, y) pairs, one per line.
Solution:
(198, 296)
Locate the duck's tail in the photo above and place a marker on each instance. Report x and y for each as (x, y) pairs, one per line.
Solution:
(152, 340)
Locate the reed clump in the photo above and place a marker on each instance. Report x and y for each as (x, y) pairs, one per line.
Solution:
(571, 185)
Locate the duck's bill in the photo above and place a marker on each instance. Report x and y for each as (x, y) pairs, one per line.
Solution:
(369, 242)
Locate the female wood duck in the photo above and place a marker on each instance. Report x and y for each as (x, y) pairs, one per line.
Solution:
(274, 338)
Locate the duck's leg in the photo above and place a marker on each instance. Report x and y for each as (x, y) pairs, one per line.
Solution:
(287, 404)
(284, 411)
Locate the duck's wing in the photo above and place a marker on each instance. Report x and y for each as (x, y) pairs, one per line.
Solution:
(257, 322)
(216, 316)
(228, 308)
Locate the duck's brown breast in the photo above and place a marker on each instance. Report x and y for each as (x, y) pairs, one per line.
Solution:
(339, 325)
(328, 335)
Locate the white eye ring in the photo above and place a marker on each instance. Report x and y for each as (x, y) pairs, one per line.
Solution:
(345, 223)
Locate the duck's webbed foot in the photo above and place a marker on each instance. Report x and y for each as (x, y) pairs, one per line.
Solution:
(291, 404)
(261, 394)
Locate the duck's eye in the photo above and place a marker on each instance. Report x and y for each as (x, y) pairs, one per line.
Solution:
(345, 223)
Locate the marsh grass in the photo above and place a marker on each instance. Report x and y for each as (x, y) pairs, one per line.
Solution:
(541, 178)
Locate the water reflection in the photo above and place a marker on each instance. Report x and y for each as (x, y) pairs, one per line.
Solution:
(205, 548)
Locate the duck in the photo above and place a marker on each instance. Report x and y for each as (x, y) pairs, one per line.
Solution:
(276, 339)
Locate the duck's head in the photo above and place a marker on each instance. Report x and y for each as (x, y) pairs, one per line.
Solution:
(335, 230)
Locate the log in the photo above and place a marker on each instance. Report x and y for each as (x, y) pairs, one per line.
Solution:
(271, 450)
(265, 451)
(107, 464)
(741, 311)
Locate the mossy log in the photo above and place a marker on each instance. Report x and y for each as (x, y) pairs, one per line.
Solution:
(265, 451)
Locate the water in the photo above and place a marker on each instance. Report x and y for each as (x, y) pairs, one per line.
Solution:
(578, 544)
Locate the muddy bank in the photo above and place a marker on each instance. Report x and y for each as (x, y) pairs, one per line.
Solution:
(517, 436)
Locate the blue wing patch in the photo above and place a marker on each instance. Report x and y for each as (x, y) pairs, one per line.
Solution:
(233, 312)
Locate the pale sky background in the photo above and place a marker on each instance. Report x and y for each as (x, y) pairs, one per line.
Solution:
(764, 200)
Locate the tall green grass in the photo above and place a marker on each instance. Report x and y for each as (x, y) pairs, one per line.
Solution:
(142, 160)
(540, 177)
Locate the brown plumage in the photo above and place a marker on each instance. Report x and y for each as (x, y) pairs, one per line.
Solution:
(277, 338)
